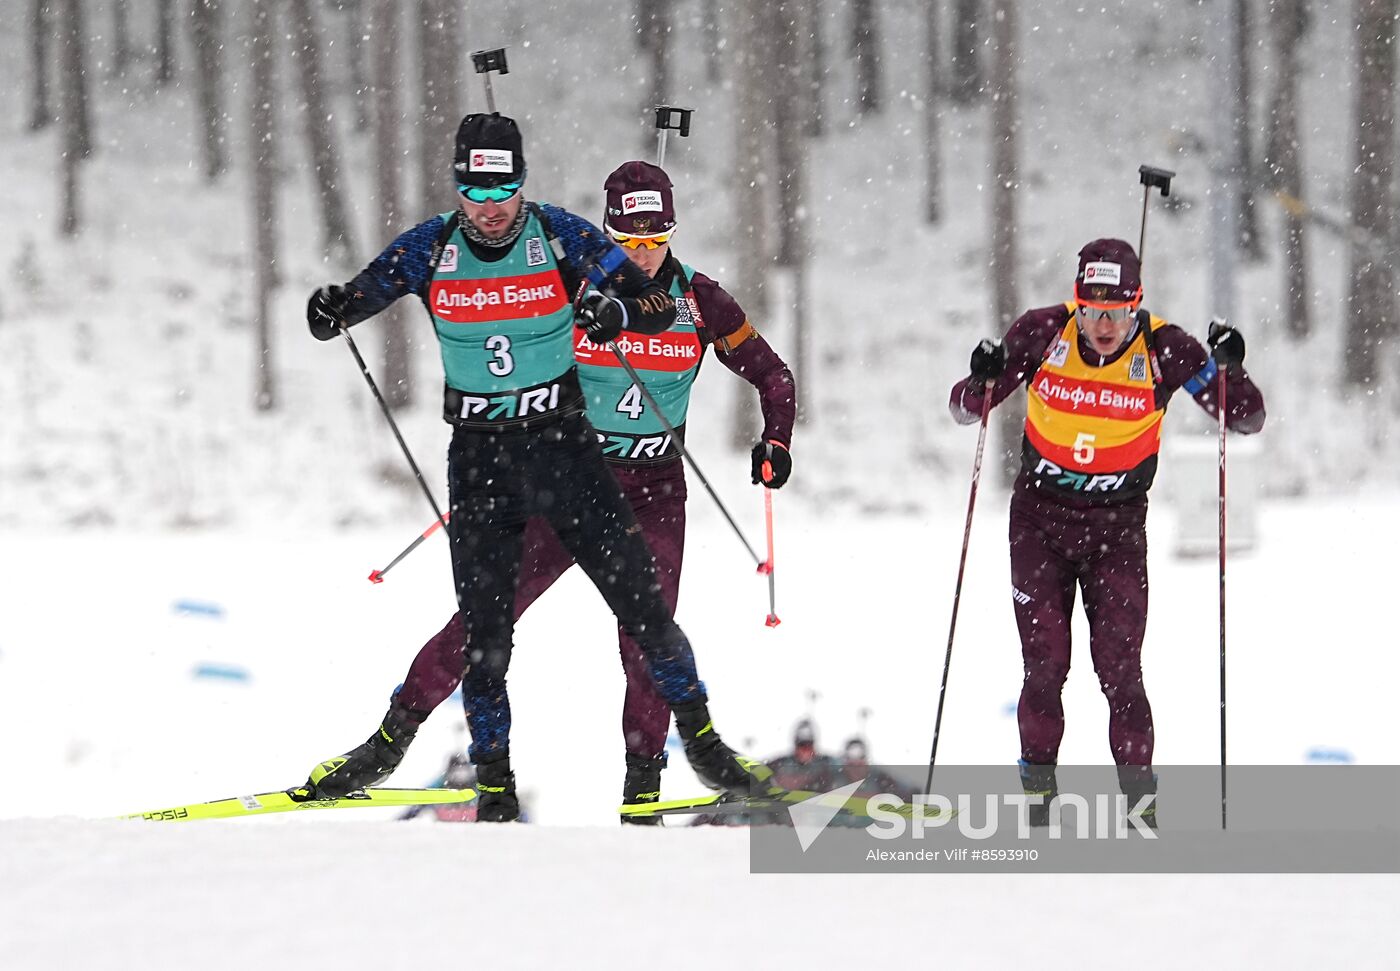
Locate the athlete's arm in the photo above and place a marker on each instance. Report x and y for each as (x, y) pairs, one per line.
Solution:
(648, 307)
(1186, 364)
(1026, 343)
(744, 351)
(401, 269)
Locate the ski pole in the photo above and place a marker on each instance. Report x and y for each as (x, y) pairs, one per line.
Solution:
(393, 426)
(1151, 178)
(1220, 401)
(670, 429)
(962, 564)
(670, 119)
(767, 567)
(377, 576)
(680, 447)
(485, 62)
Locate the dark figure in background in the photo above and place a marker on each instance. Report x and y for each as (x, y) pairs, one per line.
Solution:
(1099, 373)
(804, 767)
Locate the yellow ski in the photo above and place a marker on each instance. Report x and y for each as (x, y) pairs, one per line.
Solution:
(290, 800)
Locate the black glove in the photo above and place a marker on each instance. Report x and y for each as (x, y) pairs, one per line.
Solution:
(1226, 345)
(601, 316)
(779, 460)
(325, 311)
(988, 361)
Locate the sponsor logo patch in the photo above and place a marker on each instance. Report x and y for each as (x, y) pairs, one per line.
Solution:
(491, 160)
(671, 351)
(1060, 354)
(502, 298)
(534, 252)
(449, 257)
(1137, 368)
(1107, 273)
(646, 201)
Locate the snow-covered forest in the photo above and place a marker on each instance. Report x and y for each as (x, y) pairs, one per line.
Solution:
(192, 490)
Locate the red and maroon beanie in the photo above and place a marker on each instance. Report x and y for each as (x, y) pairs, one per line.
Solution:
(639, 200)
(1109, 273)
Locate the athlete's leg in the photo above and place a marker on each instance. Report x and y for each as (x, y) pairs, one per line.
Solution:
(1043, 585)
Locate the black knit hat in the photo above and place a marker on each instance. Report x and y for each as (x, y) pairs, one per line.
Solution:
(489, 151)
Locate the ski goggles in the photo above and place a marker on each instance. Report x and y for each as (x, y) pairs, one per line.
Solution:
(495, 193)
(1116, 313)
(629, 241)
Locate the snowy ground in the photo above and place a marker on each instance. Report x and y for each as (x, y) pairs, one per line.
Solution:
(103, 716)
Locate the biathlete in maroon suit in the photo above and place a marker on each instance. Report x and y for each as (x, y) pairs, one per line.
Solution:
(641, 218)
(1099, 374)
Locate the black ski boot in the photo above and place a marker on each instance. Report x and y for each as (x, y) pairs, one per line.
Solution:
(1039, 780)
(1137, 782)
(642, 786)
(372, 762)
(716, 764)
(496, 800)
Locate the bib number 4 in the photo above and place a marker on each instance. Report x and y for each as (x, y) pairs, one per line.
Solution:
(631, 404)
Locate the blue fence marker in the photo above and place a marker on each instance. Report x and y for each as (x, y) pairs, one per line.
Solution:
(199, 608)
(222, 672)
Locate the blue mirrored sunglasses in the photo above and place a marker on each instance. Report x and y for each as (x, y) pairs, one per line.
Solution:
(496, 193)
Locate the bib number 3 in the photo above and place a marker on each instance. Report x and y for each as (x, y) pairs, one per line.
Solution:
(499, 345)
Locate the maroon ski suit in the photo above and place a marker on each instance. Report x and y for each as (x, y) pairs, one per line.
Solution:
(1061, 540)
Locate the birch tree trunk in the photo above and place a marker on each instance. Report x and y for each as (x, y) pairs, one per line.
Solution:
(1004, 268)
(40, 30)
(76, 142)
(1249, 242)
(933, 104)
(165, 42)
(1283, 164)
(121, 37)
(750, 189)
(206, 33)
(1371, 309)
(322, 139)
(384, 27)
(865, 51)
(442, 100)
(966, 86)
(790, 156)
(263, 145)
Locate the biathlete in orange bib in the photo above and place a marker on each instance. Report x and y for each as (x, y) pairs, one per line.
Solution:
(1098, 375)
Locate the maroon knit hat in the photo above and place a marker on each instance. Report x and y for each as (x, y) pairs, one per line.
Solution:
(639, 200)
(1109, 272)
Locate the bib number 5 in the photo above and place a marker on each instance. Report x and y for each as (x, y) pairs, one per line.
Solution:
(499, 345)
(1084, 448)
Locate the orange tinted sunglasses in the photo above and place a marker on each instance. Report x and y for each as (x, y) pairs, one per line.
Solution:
(638, 242)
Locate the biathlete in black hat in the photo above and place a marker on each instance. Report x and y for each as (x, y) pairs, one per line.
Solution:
(497, 276)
